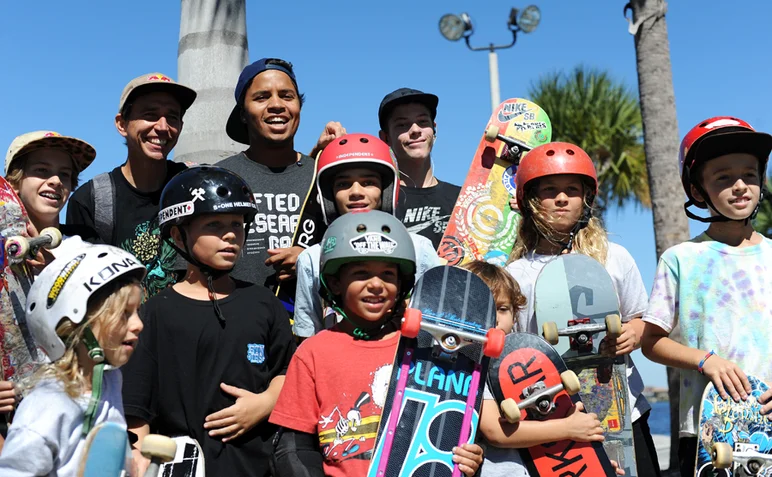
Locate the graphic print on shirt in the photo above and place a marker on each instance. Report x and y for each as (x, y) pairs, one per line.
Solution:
(418, 219)
(275, 222)
(348, 431)
(156, 255)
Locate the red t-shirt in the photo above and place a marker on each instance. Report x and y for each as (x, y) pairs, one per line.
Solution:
(335, 388)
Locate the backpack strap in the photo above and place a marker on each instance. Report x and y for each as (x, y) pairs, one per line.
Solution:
(104, 206)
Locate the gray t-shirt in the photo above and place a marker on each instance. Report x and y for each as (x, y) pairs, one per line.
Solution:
(279, 193)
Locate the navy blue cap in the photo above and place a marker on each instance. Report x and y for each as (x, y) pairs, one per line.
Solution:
(235, 128)
(405, 96)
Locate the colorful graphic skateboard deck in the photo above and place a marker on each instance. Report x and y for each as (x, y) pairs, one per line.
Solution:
(188, 460)
(20, 355)
(482, 225)
(308, 231)
(106, 451)
(532, 374)
(435, 391)
(735, 434)
(576, 305)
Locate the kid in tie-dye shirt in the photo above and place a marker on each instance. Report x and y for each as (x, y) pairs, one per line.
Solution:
(716, 287)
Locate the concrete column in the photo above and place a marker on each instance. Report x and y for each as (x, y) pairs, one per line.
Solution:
(212, 52)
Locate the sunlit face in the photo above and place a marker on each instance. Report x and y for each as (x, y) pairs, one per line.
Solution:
(733, 185)
(358, 188)
(368, 290)
(119, 339)
(410, 133)
(562, 200)
(272, 108)
(46, 184)
(505, 315)
(153, 125)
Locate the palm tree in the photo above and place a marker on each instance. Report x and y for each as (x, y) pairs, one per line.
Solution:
(660, 131)
(763, 221)
(589, 109)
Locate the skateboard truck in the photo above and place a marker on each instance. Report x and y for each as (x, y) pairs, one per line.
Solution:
(450, 340)
(18, 248)
(581, 331)
(539, 399)
(514, 148)
(159, 449)
(745, 456)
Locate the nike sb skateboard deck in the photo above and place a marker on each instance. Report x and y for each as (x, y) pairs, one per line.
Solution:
(576, 307)
(530, 381)
(482, 225)
(734, 438)
(435, 392)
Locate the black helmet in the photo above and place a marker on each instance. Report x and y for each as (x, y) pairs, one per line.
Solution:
(204, 190)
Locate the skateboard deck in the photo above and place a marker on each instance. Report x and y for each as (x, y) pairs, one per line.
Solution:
(188, 460)
(574, 295)
(482, 225)
(736, 433)
(20, 355)
(308, 231)
(106, 451)
(435, 392)
(530, 372)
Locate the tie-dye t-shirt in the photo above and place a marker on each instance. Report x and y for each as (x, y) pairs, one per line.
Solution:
(721, 298)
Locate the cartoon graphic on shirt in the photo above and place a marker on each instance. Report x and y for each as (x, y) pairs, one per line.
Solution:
(351, 434)
(157, 256)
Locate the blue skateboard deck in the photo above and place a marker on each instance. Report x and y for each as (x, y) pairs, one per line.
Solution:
(105, 452)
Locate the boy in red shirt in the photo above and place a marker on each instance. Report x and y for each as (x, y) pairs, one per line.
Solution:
(335, 388)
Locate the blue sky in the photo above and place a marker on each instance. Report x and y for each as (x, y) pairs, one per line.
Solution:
(64, 65)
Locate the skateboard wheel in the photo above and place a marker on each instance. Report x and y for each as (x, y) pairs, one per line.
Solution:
(494, 343)
(55, 234)
(550, 332)
(613, 326)
(492, 133)
(159, 447)
(721, 455)
(411, 323)
(510, 410)
(17, 247)
(570, 382)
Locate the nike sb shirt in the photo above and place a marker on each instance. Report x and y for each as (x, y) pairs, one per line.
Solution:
(426, 211)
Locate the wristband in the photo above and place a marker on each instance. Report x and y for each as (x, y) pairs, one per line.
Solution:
(702, 363)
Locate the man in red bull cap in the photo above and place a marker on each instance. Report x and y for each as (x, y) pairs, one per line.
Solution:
(120, 207)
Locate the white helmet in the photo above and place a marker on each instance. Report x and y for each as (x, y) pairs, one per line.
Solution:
(63, 288)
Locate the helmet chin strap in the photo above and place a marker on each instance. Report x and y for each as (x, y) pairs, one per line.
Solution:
(97, 355)
(720, 217)
(580, 224)
(210, 273)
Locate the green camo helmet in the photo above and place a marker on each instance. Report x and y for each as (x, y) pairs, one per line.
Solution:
(365, 236)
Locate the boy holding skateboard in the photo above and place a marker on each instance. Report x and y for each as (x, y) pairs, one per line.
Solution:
(354, 172)
(715, 287)
(556, 187)
(212, 360)
(341, 375)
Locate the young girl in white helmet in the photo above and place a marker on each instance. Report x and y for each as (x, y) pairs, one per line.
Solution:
(82, 311)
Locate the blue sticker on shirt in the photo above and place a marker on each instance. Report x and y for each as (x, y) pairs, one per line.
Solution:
(256, 353)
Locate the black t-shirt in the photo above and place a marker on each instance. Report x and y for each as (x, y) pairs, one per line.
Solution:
(135, 226)
(426, 211)
(280, 194)
(184, 352)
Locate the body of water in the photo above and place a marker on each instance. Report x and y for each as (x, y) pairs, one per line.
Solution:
(659, 420)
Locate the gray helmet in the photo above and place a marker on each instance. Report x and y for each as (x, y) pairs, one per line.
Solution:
(367, 235)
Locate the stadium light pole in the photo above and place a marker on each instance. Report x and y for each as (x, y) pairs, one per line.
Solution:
(454, 27)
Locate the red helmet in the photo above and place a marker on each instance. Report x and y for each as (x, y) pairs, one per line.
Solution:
(552, 159)
(716, 137)
(356, 150)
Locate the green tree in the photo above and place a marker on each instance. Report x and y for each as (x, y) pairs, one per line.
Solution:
(763, 221)
(589, 109)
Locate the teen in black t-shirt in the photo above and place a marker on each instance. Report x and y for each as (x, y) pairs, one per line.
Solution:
(211, 359)
(426, 210)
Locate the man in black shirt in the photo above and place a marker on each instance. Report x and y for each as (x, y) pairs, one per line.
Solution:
(406, 117)
(120, 207)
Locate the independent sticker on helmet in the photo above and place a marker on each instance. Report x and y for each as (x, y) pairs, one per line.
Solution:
(61, 279)
(175, 211)
(373, 242)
